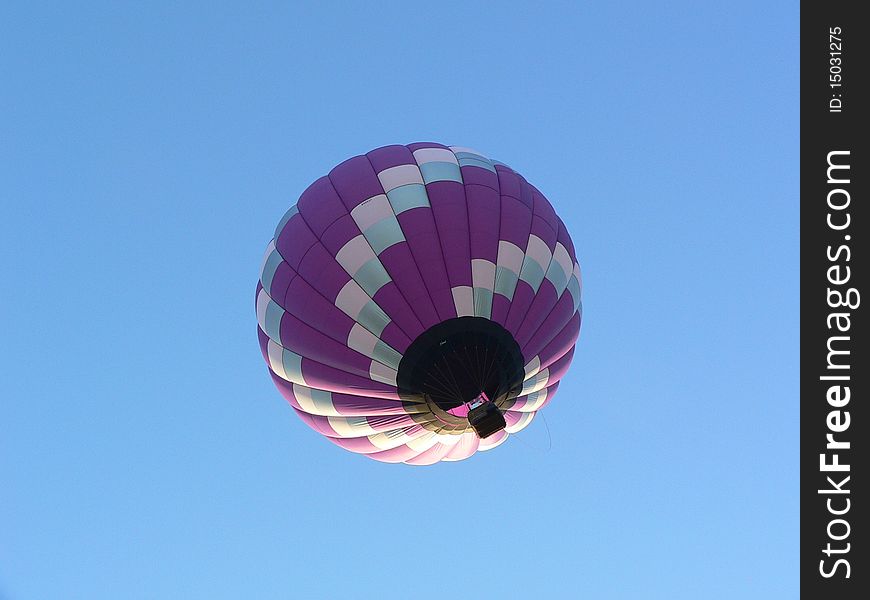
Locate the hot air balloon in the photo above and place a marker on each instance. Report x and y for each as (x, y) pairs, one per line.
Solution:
(419, 303)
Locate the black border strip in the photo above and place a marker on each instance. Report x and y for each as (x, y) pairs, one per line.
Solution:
(834, 364)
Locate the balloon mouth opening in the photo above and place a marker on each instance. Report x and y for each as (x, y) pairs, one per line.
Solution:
(453, 363)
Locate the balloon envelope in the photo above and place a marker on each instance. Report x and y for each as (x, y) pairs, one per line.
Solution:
(406, 284)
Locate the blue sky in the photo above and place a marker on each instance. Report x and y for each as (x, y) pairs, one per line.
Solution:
(147, 152)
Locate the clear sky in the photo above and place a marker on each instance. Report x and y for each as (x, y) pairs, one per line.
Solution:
(148, 150)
